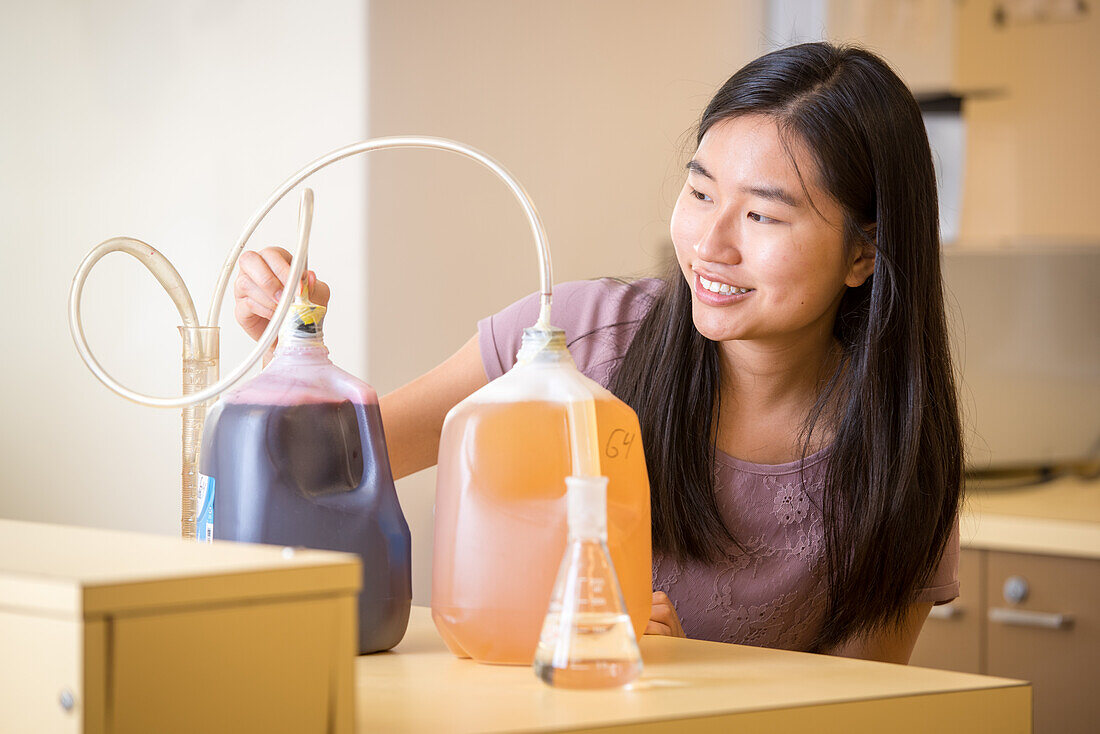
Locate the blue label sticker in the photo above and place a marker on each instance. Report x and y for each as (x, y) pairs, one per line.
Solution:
(204, 519)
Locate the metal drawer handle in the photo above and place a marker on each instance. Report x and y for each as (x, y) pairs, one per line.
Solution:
(945, 611)
(1023, 618)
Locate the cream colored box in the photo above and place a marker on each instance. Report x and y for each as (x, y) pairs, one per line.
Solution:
(105, 631)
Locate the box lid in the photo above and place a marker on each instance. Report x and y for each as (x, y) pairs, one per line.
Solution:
(86, 572)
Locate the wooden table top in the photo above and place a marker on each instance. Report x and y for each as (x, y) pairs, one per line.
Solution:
(420, 686)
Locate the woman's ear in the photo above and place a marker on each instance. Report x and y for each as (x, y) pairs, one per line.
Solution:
(863, 260)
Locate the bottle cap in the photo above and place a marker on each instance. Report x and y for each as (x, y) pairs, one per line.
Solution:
(304, 320)
(586, 500)
(542, 344)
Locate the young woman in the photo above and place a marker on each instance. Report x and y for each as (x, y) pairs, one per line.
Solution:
(791, 375)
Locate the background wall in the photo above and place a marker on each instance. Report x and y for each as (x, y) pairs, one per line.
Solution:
(586, 103)
(172, 123)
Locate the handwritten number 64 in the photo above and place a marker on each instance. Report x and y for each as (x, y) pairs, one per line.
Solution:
(621, 438)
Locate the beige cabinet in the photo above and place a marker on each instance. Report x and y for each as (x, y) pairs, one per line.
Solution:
(1027, 616)
(918, 37)
(952, 636)
(104, 631)
(1050, 636)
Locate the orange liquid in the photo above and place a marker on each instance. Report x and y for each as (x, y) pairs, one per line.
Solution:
(500, 522)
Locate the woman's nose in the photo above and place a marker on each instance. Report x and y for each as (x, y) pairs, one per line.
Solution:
(718, 242)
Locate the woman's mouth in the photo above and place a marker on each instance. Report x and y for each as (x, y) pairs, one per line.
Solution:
(724, 289)
(717, 293)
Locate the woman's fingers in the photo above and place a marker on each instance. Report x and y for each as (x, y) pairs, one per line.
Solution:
(656, 628)
(272, 279)
(318, 290)
(278, 262)
(260, 284)
(256, 289)
(261, 310)
(246, 312)
(246, 288)
(264, 271)
(663, 618)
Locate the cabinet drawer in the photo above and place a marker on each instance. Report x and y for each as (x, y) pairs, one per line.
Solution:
(951, 638)
(1047, 632)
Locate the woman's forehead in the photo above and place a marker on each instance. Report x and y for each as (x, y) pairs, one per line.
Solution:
(750, 147)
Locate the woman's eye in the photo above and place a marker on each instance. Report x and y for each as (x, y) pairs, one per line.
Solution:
(700, 195)
(758, 217)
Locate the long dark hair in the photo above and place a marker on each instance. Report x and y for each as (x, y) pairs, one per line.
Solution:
(894, 475)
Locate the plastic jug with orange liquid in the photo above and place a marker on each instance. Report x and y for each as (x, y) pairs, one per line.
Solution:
(500, 508)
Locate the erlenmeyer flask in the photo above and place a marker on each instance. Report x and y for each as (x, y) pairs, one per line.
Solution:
(587, 639)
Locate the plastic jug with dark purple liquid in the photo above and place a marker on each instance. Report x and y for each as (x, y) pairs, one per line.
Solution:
(297, 457)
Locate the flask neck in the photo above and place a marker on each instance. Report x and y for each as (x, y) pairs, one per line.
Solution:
(586, 508)
(588, 535)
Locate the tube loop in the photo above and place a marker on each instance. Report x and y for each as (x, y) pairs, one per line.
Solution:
(170, 279)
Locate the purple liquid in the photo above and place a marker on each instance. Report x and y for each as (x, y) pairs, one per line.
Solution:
(315, 475)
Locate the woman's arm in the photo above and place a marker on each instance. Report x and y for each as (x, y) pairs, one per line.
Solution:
(413, 414)
(893, 646)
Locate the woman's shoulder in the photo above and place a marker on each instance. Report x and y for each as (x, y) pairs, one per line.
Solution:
(581, 306)
(599, 318)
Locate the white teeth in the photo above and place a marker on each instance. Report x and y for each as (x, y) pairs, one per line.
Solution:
(721, 288)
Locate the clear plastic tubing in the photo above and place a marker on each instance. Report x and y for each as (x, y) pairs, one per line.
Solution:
(203, 368)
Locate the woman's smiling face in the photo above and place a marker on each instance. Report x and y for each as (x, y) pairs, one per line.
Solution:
(743, 225)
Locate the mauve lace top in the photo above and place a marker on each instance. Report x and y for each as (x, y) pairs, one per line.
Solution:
(771, 594)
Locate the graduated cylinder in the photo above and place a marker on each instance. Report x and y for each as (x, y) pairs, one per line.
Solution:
(200, 370)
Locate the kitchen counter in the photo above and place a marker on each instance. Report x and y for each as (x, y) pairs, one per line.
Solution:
(1060, 518)
(687, 684)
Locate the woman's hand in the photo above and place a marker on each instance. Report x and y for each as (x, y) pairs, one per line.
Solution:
(259, 285)
(663, 619)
